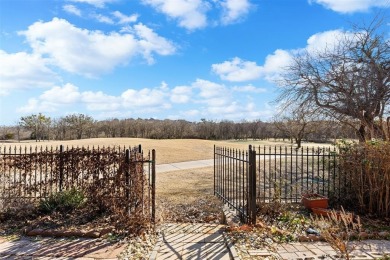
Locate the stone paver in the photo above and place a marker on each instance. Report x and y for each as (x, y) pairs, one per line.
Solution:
(49, 248)
(191, 241)
(368, 249)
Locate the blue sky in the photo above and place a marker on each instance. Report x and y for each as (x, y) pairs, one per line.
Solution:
(175, 59)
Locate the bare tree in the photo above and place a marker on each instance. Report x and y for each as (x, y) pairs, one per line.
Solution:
(297, 123)
(350, 81)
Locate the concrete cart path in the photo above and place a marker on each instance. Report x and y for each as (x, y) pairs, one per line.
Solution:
(183, 165)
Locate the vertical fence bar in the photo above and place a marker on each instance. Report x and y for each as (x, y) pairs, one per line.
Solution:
(61, 167)
(252, 186)
(154, 186)
(127, 174)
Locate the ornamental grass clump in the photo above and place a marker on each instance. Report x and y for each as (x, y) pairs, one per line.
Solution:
(365, 178)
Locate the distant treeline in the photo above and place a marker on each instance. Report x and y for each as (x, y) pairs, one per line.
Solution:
(80, 126)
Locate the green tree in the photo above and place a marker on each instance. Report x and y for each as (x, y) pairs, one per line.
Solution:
(39, 125)
(79, 123)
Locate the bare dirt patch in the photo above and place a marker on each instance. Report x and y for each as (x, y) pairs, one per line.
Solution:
(188, 196)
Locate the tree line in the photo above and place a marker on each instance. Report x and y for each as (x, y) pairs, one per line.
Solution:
(77, 126)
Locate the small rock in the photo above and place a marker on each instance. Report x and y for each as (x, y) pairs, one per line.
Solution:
(312, 231)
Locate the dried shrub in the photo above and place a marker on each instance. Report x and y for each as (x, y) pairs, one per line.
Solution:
(337, 230)
(365, 178)
(109, 180)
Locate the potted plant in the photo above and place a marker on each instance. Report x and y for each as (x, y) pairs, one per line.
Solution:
(314, 200)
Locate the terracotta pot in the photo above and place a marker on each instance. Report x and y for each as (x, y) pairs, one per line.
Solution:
(314, 200)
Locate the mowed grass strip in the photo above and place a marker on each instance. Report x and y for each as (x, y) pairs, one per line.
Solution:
(167, 150)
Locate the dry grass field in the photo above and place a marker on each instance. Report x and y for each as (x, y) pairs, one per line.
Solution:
(168, 151)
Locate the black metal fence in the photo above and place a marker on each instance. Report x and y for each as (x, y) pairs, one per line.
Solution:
(285, 173)
(124, 174)
(235, 180)
(265, 174)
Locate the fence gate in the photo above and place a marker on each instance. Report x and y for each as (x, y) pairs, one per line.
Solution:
(235, 180)
(244, 178)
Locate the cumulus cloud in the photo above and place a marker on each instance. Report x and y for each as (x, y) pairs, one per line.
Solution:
(22, 71)
(145, 97)
(249, 89)
(67, 94)
(191, 14)
(103, 19)
(91, 53)
(237, 70)
(234, 10)
(72, 9)
(325, 40)
(99, 101)
(96, 3)
(203, 98)
(181, 94)
(274, 64)
(52, 99)
(209, 89)
(351, 6)
(124, 19)
(150, 42)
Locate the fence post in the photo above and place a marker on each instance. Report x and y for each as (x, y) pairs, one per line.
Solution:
(139, 148)
(252, 186)
(214, 170)
(61, 167)
(127, 174)
(154, 186)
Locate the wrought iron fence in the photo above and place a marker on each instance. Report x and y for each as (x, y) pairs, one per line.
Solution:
(235, 180)
(122, 174)
(286, 173)
(263, 174)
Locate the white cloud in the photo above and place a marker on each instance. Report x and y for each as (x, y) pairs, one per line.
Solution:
(350, 6)
(72, 9)
(103, 19)
(123, 19)
(181, 94)
(22, 71)
(325, 40)
(249, 89)
(234, 10)
(36, 106)
(191, 14)
(96, 3)
(144, 98)
(52, 99)
(209, 89)
(275, 64)
(91, 53)
(67, 94)
(99, 101)
(237, 70)
(151, 42)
